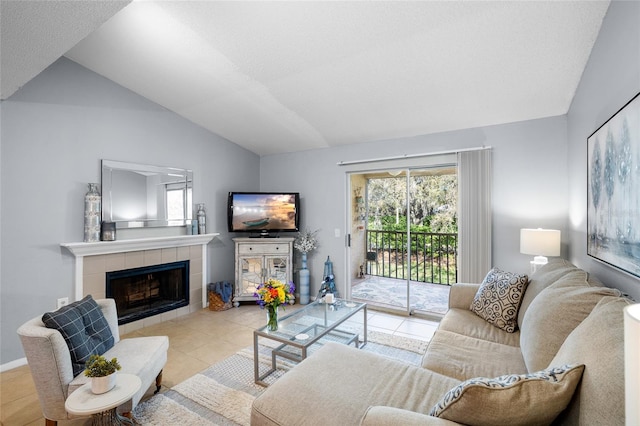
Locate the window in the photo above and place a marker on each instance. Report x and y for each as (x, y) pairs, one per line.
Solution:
(176, 201)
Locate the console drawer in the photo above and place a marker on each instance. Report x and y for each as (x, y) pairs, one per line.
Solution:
(274, 248)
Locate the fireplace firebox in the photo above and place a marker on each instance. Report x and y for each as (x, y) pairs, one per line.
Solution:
(150, 290)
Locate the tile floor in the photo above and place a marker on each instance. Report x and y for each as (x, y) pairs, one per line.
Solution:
(196, 341)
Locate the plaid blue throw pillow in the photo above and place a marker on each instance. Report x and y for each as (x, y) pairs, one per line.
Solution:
(84, 328)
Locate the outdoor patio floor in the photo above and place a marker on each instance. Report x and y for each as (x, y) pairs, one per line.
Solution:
(392, 293)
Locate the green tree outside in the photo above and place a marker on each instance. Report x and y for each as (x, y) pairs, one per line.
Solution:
(432, 210)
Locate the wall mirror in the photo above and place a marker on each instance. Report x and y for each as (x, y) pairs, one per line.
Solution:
(141, 195)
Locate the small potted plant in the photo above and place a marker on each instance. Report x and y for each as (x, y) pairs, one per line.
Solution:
(102, 373)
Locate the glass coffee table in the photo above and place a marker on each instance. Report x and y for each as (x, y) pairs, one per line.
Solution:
(315, 323)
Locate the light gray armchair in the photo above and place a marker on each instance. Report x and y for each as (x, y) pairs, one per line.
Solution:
(50, 362)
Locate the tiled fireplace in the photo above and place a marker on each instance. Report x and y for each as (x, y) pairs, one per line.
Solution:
(148, 291)
(95, 260)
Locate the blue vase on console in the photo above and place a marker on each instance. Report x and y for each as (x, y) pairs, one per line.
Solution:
(304, 281)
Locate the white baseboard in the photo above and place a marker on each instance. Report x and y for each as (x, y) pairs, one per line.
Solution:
(13, 364)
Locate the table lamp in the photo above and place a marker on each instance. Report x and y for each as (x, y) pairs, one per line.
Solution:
(541, 243)
(632, 364)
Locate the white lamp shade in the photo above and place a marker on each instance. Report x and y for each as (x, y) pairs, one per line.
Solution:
(542, 242)
(632, 364)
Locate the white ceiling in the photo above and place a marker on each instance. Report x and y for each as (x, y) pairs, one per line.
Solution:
(288, 76)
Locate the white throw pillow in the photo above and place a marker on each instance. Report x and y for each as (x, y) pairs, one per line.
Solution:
(527, 399)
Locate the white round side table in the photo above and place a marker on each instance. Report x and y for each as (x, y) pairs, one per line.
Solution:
(102, 407)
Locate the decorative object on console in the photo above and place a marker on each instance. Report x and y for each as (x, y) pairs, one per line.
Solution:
(539, 242)
(102, 372)
(271, 295)
(631, 366)
(92, 214)
(202, 219)
(304, 281)
(305, 243)
(498, 299)
(328, 284)
(613, 194)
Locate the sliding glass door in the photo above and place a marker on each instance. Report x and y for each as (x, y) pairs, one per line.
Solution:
(403, 238)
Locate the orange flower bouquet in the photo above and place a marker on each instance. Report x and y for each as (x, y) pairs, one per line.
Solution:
(272, 294)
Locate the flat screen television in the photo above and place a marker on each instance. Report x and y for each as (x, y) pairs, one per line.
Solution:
(263, 213)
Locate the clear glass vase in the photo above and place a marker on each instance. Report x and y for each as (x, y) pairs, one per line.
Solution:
(272, 318)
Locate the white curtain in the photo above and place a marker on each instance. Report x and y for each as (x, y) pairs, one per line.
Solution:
(474, 216)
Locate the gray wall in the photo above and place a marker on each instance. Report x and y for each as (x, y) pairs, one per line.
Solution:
(55, 131)
(610, 79)
(524, 195)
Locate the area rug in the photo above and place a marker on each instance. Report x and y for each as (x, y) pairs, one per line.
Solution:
(223, 393)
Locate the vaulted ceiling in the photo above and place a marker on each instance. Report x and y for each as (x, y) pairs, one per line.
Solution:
(288, 76)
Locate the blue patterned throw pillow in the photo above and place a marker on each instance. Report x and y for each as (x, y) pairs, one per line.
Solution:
(84, 328)
(499, 297)
(527, 399)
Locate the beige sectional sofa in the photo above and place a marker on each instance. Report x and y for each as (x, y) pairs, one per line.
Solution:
(563, 365)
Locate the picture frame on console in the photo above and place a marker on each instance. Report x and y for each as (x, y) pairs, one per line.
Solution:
(613, 190)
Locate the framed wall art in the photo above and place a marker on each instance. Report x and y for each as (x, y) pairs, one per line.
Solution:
(613, 193)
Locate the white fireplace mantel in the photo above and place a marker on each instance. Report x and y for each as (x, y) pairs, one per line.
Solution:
(121, 246)
(81, 249)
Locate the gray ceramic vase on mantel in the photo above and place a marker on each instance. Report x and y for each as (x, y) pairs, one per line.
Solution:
(92, 214)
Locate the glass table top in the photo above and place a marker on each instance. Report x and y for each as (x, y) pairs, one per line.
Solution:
(306, 324)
